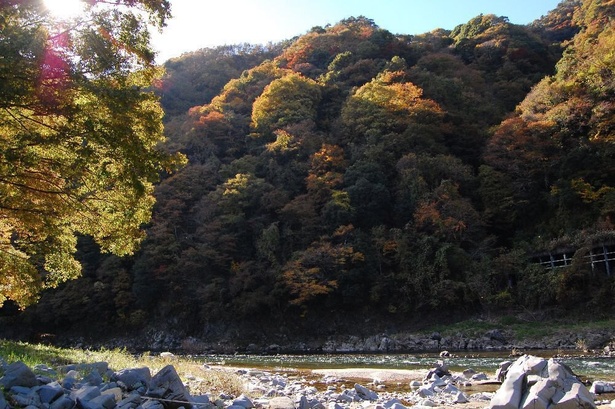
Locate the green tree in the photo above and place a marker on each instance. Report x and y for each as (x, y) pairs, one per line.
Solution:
(80, 137)
(285, 101)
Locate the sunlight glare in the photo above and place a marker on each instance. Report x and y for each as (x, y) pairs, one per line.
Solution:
(64, 9)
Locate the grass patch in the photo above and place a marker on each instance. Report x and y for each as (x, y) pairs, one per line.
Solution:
(519, 328)
(470, 328)
(196, 377)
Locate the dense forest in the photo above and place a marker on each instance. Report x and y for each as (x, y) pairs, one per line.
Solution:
(353, 172)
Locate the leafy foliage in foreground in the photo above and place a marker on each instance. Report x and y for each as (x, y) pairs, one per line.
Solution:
(80, 138)
(361, 173)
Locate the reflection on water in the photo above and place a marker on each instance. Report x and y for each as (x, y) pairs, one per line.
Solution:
(593, 367)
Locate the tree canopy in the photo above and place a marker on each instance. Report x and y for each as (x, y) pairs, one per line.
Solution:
(80, 134)
(348, 171)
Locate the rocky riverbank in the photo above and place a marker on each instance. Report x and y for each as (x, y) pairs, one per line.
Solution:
(96, 386)
(394, 342)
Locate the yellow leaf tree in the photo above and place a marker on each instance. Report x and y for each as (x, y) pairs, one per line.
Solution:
(80, 137)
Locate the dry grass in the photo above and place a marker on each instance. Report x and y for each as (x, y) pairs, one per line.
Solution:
(215, 382)
(198, 378)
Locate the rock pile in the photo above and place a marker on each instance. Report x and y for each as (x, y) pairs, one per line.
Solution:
(127, 389)
(433, 391)
(528, 383)
(537, 383)
(83, 387)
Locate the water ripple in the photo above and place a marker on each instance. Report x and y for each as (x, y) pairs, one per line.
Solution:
(588, 367)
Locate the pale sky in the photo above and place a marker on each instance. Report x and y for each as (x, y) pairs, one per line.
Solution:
(205, 23)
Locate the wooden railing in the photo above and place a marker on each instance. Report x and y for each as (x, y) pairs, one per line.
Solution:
(600, 257)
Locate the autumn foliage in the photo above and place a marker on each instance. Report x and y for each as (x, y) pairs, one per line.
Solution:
(351, 170)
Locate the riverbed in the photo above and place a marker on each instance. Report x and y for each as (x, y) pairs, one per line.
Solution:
(587, 367)
(393, 374)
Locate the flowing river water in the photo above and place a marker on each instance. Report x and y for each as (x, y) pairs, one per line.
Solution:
(585, 366)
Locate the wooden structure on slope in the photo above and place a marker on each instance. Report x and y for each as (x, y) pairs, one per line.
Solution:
(601, 257)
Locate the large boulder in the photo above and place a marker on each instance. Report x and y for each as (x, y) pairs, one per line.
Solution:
(50, 392)
(573, 395)
(365, 393)
(168, 388)
(509, 395)
(536, 383)
(18, 374)
(85, 393)
(133, 378)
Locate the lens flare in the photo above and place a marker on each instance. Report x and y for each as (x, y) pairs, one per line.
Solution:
(64, 9)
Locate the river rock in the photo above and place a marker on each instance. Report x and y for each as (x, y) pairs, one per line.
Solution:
(85, 393)
(93, 378)
(574, 395)
(544, 384)
(167, 385)
(540, 394)
(364, 393)
(599, 387)
(133, 378)
(244, 402)
(63, 402)
(115, 391)
(50, 392)
(24, 396)
(18, 374)
(129, 402)
(535, 383)
(508, 395)
(460, 397)
(69, 380)
(152, 404)
(105, 401)
(281, 402)
(427, 403)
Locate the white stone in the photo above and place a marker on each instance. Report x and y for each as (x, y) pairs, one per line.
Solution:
(428, 403)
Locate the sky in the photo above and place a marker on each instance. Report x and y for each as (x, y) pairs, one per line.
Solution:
(198, 24)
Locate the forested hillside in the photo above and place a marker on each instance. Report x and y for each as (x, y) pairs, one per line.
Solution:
(354, 172)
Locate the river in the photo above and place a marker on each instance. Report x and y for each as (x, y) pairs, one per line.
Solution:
(587, 367)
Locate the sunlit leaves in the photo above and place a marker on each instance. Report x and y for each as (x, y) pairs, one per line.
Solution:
(284, 142)
(387, 104)
(476, 26)
(587, 191)
(80, 140)
(556, 147)
(285, 101)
